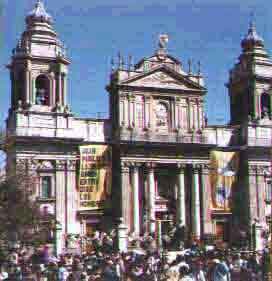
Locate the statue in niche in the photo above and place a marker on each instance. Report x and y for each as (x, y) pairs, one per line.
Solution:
(161, 115)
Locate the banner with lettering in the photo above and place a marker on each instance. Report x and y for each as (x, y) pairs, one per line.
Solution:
(223, 176)
(94, 176)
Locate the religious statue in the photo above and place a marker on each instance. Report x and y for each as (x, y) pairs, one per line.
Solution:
(163, 40)
(161, 115)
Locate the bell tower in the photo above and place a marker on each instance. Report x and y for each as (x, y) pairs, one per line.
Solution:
(250, 82)
(39, 66)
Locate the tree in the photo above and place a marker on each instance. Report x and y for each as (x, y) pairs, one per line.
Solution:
(20, 218)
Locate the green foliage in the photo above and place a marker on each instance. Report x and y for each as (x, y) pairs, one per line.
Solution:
(20, 218)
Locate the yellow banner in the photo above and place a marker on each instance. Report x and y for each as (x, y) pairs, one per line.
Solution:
(224, 168)
(94, 176)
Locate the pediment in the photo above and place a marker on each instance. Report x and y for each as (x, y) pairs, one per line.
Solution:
(164, 79)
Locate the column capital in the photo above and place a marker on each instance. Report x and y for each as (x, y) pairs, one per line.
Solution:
(196, 167)
(252, 169)
(150, 165)
(124, 167)
(61, 164)
(71, 165)
(181, 167)
(263, 170)
(205, 168)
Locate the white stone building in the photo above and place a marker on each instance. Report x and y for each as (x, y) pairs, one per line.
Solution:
(160, 141)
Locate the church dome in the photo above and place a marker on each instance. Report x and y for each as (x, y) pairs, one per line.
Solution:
(39, 14)
(252, 38)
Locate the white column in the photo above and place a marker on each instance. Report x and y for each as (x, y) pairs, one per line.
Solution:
(206, 199)
(177, 113)
(61, 207)
(146, 112)
(64, 90)
(121, 112)
(136, 215)
(27, 87)
(59, 88)
(125, 113)
(151, 199)
(73, 224)
(125, 194)
(196, 229)
(181, 207)
(189, 114)
(129, 110)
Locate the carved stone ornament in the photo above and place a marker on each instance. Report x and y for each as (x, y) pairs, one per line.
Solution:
(252, 169)
(60, 164)
(263, 170)
(21, 163)
(71, 165)
(33, 164)
(125, 167)
(46, 165)
(196, 167)
(205, 168)
(181, 167)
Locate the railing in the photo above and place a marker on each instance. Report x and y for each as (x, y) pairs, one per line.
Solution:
(259, 142)
(170, 138)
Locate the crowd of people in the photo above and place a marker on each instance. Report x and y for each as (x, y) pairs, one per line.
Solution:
(142, 261)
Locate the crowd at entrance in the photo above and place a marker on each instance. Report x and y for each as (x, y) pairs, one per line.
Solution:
(142, 261)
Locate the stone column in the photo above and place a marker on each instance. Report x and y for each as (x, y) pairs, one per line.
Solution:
(121, 112)
(206, 199)
(33, 96)
(122, 238)
(136, 213)
(146, 112)
(178, 113)
(72, 195)
(61, 207)
(151, 198)
(125, 193)
(181, 205)
(59, 88)
(27, 86)
(196, 227)
(64, 89)
(261, 172)
(252, 190)
(189, 114)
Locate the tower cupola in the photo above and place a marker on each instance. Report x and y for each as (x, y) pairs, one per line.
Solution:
(39, 65)
(38, 14)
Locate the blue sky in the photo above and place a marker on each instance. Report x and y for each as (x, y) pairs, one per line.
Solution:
(95, 30)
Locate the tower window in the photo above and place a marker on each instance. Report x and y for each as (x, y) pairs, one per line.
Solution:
(265, 105)
(46, 187)
(42, 90)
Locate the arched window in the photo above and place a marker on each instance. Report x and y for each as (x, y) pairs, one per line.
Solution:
(265, 105)
(42, 85)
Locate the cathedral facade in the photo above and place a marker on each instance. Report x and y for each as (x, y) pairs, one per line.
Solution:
(155, 158)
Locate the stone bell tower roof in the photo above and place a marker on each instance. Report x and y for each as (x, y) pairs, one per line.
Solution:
(252, 39)
(39, 14)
